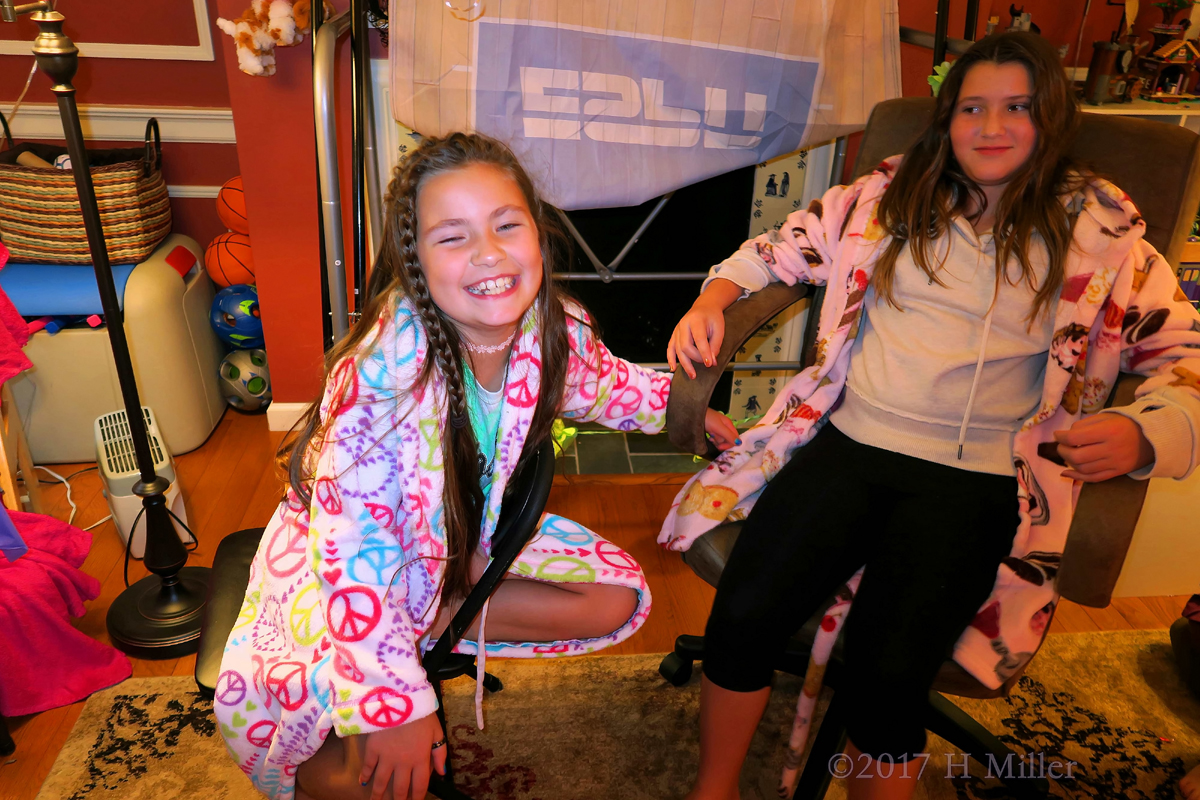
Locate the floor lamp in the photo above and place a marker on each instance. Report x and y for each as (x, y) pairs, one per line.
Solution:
(160, 615)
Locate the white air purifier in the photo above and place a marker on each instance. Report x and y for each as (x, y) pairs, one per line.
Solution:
(118, 467)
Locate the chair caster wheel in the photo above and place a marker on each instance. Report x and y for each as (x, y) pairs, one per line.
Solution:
(676, 670)
(492, 683)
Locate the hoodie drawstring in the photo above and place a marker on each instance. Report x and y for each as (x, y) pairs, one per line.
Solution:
(987, 329)
(480, 665)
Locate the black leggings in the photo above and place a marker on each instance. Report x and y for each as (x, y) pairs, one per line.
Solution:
(931, 538)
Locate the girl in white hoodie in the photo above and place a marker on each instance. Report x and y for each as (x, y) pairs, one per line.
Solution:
(983, 295)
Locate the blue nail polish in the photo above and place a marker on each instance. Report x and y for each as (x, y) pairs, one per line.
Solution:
(737, 441)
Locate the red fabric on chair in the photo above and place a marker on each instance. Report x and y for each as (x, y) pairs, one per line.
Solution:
(44, 662)
(14, 333)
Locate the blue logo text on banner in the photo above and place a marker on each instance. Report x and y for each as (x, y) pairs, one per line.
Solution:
(603, 113)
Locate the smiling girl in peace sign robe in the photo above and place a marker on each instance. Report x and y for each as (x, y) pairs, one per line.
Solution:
(464, 356)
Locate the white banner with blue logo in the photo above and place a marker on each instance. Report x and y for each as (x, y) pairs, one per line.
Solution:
(614, 102)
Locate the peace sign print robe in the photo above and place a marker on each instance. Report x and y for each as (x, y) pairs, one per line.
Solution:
(343, 592)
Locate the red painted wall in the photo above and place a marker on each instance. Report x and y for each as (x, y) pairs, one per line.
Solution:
(124, 81)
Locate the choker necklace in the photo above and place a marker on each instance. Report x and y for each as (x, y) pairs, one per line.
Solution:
(489, 348)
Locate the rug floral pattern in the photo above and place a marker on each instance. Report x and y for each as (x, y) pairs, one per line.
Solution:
(610, 727)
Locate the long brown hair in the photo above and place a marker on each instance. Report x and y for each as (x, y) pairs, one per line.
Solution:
(398, 271)
(930, 187)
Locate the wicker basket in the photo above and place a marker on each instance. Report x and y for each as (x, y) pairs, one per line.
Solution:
(40, 219)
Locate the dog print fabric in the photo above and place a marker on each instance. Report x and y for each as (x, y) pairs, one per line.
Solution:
(1119, 311)
(344, 591)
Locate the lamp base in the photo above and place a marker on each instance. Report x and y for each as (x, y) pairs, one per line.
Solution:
(155, 621)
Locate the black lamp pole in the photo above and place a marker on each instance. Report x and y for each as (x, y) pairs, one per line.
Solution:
(160, 615)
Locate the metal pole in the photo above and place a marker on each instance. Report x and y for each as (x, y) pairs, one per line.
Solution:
(616, 262)
(838, 168)
(374, 190)
(940, 32)
(736, 366)
(972, 20)
(318, 19)
(327, 168)
(360, 67)
(925, 39)
(601, 268)
(1079, 40)
(631, 276)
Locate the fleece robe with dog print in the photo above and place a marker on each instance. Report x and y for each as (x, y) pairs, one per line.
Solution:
(1120, 310)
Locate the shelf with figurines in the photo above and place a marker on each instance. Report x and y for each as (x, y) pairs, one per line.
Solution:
(1156, 80)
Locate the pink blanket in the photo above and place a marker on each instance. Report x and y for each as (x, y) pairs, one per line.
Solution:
(14, 333)
(44, 662)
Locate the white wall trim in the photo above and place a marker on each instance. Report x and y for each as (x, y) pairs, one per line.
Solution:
(282, 416)
(192, 192)
(158, 52)
(128, 123)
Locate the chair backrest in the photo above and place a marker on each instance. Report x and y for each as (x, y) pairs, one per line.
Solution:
(526, 496)
(529, 489)
(1157, 163)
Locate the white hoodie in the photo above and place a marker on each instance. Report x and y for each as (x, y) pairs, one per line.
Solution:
(949, 375)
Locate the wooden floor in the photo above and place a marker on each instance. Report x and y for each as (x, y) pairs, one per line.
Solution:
(229, 484)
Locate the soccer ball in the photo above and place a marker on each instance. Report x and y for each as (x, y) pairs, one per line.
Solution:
(235, 317)
(246, 380)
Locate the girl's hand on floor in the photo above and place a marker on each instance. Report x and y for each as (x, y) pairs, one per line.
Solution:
(404, 755)
(720, 429)
(1103, 446)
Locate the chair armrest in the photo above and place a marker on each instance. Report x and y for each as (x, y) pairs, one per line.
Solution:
(1102, 528)
(689, 398)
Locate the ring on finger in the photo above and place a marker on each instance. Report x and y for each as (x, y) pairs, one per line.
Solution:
(439, 743)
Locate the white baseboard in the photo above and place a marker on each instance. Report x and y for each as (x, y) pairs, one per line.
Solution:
(190, 192)
(282, 416)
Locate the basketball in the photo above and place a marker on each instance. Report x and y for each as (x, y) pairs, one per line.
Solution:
(231, 206)
(229, 259)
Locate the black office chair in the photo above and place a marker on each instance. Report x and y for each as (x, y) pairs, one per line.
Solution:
(526, 496)
(1159, 166)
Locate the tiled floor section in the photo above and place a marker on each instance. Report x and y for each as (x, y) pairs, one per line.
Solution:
(601, 451)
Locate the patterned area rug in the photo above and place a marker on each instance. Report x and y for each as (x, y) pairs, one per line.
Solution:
(610, 727)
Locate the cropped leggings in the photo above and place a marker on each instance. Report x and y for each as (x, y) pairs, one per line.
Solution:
(931, 537)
